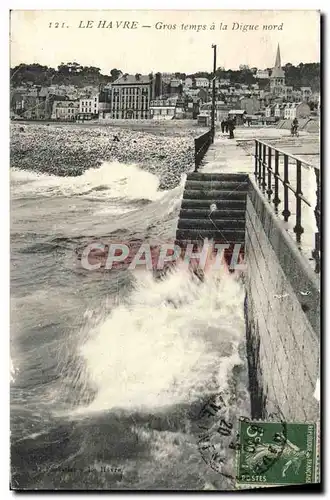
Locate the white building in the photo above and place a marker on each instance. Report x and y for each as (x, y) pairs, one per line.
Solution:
(296, 110)
(262, 74)
(161, 110)
(279, 110)
(166, 109)
(270, 111)
(202, 83)
(89, 105)
(224, 81)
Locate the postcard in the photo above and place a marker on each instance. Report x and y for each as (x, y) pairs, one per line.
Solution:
(165, 186)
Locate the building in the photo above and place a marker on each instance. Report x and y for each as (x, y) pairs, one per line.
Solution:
(277, 79)
(169, 108)
(296, 110)
(131, 96)
(306, 93)
(162, 109)
(167, 77)
(279, 110)
(250, 104)
(224, 82)
(287, 92)
(221, 110)
(65, 110)
(237, 115)
(199, 93)
(188, 82)
(263, 74)
(270, 110)
(233, 99)
(17, 102)
(192, 109)
(202, 83)
(89, 105)
(175, 86)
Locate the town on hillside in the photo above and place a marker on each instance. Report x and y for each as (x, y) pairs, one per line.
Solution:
(81, 94)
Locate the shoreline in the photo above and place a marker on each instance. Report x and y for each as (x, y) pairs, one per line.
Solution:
(64, 150)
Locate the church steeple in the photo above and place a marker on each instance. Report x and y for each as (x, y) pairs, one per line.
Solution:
(278, 57)
(277, 79)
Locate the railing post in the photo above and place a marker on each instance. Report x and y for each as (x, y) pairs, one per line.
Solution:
(263, 184)
(256, 159)
(269, 177)
(317, 249)
(298, 229)
(286, 212)
(260, 163)
(196, 154)
(276, 199)
(262, 151)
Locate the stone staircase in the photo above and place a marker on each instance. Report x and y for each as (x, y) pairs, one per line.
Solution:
(225, 221)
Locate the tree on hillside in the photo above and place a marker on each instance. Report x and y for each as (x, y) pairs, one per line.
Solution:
(180, 76)
(115, 74)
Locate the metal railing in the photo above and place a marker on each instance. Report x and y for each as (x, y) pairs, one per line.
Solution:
(268, 163)
(202, 144)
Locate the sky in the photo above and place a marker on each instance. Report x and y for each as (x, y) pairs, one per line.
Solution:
(134, 48)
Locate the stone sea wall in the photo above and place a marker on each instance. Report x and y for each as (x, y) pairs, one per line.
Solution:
(282, 318)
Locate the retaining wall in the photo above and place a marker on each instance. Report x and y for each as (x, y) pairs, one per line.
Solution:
(282, 317)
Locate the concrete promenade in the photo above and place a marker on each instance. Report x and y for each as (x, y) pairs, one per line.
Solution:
(236, 155)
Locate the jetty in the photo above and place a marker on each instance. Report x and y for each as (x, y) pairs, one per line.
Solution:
(262, 190)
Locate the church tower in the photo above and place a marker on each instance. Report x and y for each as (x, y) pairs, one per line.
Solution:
(277, 79)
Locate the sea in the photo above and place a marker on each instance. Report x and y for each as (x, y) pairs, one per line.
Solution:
(111, 370)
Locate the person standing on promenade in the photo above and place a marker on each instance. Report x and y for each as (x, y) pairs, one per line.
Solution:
(222, 126)
(226, 124)
(231, 126)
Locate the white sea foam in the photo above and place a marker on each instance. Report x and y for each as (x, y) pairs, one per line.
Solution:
(172, 342)
(111, 180)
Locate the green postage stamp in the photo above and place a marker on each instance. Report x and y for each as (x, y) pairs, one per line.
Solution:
(271, 453)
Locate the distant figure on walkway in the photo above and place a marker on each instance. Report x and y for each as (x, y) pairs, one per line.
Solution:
(226, 125)
(223, 126)
(294, 127)
(231, 126)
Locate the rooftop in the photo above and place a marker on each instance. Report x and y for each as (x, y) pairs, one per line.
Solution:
(132, 80)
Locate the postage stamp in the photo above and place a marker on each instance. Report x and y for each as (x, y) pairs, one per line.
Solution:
(267, 455)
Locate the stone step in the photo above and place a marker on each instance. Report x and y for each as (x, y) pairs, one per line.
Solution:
(214, 225)
(225, 236)
(222, 213)
(218, 185)
(221, 204)
(213, 195)
(197, 176)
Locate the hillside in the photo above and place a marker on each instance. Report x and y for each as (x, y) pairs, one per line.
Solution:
(303, 75)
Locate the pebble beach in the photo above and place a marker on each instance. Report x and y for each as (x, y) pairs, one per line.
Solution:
(70, 149)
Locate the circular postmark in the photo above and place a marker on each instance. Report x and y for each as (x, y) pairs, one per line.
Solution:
(217, 431)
